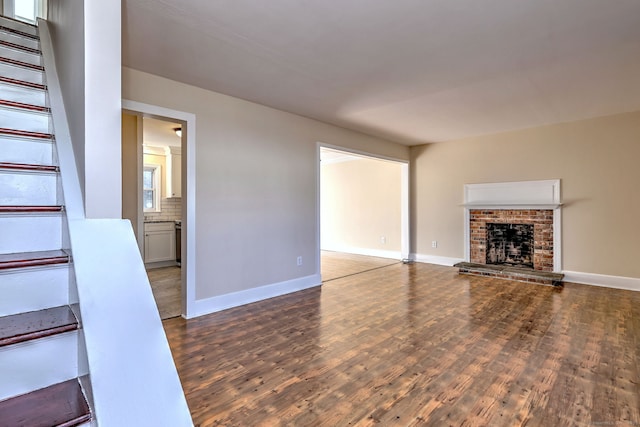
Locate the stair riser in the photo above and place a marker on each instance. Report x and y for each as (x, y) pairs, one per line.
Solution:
(15, 93)
(25, 233)
(16, 39)
(32, 289)
(16, 150)
(32, 121)
(39, 363)
(18, 189)
(19, 55)
(25, 28)
(21, 73)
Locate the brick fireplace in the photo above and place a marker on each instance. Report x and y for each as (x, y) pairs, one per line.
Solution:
(513, 231)
(541, 220)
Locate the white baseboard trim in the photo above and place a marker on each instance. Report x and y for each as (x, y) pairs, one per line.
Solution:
(235, 299)
(617, 282)
(433, 259)
(365, 251)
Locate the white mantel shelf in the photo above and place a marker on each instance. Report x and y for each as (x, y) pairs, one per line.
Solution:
(511, 206)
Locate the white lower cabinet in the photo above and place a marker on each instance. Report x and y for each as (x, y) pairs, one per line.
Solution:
(159, 242)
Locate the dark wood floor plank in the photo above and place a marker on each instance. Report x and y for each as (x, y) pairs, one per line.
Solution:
(416, 345)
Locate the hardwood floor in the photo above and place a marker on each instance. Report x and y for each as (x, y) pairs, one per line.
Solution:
(166, 288)
(338, 264)
(414, 345)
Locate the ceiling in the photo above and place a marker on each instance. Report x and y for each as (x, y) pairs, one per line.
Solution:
(160, 133)
(413, 71)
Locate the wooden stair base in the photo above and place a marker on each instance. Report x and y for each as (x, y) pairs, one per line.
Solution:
(33, 259)
(21, 64)
(20, 47)
(28, 167)
(62, 405)
(25, 134)
(36, 324)
(23, 106)
(30, 209)
(18, 32)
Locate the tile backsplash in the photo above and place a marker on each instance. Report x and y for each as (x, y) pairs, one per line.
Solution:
(171, 209)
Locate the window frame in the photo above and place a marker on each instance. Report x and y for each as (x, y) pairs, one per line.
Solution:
(156, 189)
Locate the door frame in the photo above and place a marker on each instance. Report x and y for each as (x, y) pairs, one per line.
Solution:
(188, 245)
(405, 224)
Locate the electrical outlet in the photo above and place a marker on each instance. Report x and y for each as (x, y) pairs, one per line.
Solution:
(299, 261)
(434, 243)
(383, 239)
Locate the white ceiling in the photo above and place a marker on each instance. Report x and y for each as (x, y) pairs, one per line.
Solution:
(413, 71)
(160, 133)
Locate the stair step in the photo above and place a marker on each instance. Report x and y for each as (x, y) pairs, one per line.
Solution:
(21, 63)
(25, 119)
(24, 106)
(30, 228)
(21, 55)
(17, 46)
(25, 134)
(61, 404)
(30, 35)
(28, 167)
(31, 209)
(31, 289)
(33, 325)
(23, 83)
(14, 38)
(28, 188)
(33, 259)
(18, 71)
(20, 94)
(15, 149)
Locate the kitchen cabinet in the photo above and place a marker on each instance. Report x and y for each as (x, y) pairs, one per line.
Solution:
(174, 172)
(159, 242)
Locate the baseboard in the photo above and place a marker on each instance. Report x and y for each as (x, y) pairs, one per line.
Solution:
(365, 251)
(235, 299)
(433, 259)
(617, 282)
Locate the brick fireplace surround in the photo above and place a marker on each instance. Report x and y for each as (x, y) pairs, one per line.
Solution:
(535, 203)
(542, 220)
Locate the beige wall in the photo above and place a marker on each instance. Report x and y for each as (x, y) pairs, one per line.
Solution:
(130, 169)
(360, 203)
(256, 185)
(596, 160)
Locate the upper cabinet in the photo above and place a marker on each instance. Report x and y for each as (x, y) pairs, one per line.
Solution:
(174, 172)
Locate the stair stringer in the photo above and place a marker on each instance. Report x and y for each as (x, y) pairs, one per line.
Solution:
(133, 379)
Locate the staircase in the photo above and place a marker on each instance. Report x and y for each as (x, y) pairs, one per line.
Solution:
(41, 382)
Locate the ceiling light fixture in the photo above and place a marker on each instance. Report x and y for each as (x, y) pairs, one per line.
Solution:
(178, 131)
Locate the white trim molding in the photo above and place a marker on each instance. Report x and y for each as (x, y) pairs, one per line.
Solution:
(542, 194)
(616, 282)
(236, 299)
(438, 260)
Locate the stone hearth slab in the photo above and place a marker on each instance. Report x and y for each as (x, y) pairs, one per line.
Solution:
(510, 273)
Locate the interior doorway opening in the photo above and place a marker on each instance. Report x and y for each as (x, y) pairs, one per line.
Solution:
(158, 178)
(363, 211)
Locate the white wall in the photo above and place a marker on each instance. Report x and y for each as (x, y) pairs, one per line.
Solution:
(360, 204)
(256, 192)
(86, 38)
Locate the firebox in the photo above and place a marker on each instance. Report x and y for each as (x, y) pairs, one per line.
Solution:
(510, 244)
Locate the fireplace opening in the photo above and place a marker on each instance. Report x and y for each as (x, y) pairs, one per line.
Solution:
(510, 244)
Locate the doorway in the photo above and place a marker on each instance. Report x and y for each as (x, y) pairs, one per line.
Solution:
(161, 163)
(363, 212)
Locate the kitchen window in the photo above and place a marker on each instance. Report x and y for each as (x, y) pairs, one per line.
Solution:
(151, 188)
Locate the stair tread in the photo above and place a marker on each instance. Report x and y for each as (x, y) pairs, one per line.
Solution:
(36, 324)
(25, 133)
(31, 209)
(23, 83)
(21, 64)
(33, 259)
(61, 404)
(28, 167)
(24, 106)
